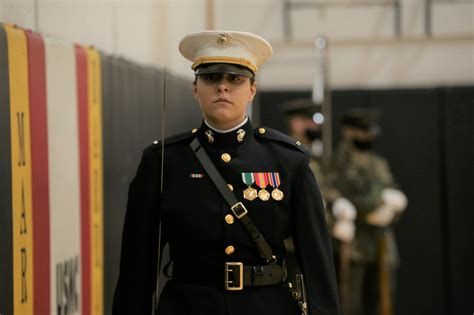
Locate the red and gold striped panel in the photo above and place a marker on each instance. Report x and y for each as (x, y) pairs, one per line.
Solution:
(39, 167)
(64, 181)
(90, 142)
(23, 263)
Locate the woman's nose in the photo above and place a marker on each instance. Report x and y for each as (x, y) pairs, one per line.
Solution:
(222, 86)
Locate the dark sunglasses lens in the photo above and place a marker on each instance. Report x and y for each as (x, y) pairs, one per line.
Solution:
(212, 77)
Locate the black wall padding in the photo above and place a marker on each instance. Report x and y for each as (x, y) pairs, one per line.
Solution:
(409, 141)
(459, 133)
(132, 120)
(427, 138)
(6, 241)
(181, 110)
(116, 174)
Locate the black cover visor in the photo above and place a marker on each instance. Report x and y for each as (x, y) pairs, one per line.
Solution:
(216, 68)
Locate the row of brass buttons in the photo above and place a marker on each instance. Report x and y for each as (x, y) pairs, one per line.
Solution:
(229, 219)
(229, 250)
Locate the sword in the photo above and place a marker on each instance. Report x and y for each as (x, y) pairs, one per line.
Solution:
(301, 292)
(157, 286)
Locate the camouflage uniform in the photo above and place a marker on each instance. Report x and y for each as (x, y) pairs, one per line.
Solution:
(360, 176)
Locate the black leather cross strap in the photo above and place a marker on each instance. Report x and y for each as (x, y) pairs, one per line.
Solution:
(236, 207)
(263, 275)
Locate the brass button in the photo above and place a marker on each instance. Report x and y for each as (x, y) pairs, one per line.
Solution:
(226, 157)
(229, 219)
(231, 188)
(298, 143)
(261, 130)
(194, 130)
(229, 250)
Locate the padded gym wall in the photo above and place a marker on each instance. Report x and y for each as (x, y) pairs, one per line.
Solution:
(459, 217)
(134, 100)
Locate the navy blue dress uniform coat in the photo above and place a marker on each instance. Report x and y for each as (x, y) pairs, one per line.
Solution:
(193, 222)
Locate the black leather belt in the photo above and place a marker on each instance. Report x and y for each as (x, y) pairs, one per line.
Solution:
(232, 275)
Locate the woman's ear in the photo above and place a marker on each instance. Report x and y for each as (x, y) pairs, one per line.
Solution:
(253, 91)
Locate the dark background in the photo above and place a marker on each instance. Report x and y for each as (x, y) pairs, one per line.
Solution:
(427, 137)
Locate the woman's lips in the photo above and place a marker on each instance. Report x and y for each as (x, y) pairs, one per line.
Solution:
(222, 99)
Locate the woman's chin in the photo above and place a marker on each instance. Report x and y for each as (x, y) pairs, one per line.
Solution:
(222, 117)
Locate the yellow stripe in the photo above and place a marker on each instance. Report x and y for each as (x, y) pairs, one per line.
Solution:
(21, 172)
(96, 178)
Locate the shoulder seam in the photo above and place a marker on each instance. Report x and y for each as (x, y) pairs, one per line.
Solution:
(275, 135)
(171, 140)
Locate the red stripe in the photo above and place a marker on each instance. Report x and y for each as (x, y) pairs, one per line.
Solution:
(261, 179)
(39, 170)
(81, 68)
(257, 179)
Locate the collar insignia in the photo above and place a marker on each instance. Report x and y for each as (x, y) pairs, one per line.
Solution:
(240, 135)
(210, 136)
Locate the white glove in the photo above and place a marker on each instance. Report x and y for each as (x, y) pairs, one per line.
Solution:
(382, 216)
(344, 231)
(343, 209)
(394, 199)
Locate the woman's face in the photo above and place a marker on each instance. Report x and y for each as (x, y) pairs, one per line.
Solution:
(224, 98)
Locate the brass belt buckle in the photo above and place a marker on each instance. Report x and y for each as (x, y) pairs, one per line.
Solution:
(229, 283)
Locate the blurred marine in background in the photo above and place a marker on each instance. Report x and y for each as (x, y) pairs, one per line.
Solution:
(301, 126)
(357, 178)
(304, 120)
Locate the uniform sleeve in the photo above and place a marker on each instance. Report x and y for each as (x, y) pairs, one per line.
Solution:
(312, 244)
(368, 197)
(383, 170)
(139, 254)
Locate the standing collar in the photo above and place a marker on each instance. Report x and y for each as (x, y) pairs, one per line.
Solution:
(231, 138)
(228, 130)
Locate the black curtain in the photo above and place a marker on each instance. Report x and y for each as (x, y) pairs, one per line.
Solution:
(427, 137)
